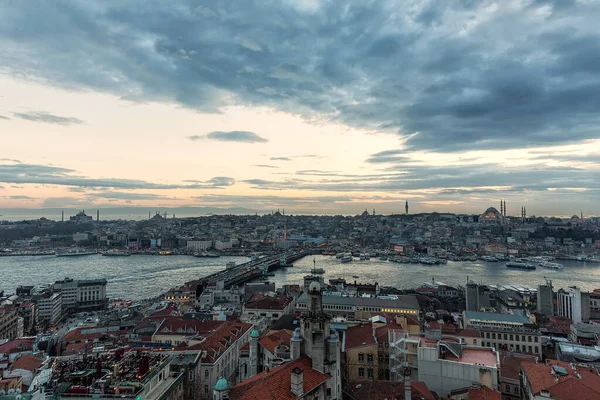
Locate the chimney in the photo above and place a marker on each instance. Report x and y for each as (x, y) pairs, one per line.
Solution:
(297, 382)
(407, 388)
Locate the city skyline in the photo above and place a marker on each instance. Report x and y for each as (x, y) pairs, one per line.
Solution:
(313, 106)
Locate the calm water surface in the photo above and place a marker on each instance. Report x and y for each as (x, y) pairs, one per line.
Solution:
(138, 277)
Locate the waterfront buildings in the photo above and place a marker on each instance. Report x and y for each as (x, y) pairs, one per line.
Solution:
(363, 307)
(82, 295)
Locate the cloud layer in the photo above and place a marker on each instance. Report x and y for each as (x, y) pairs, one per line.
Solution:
(232, 136)
(48, 118)
(443, 76)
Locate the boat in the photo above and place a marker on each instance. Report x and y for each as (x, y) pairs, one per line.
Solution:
(76, 253)
(520, 265)
(365, 256)
(383, 258)
(346, 259)
(230, 265)
(355, 276)
(318, 271)
(550, 265)
(340, 255)
(116, 253)
(489, 258)
(210, 255)
(165, 253)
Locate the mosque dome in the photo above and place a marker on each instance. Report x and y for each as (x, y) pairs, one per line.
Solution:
(254, 333)
(491, 214)
(222, 385)
(314, 287)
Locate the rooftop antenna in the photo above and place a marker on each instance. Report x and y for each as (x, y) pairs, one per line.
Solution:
(314, 266)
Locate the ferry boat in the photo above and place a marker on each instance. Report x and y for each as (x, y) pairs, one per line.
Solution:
(116, 253)
(76, 253)
(340, 255)
(550, 265)
(207, 254)
(520, 265)
(346, 259)
(489, 258)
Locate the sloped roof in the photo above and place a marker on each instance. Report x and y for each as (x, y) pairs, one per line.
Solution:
(380, 390)
(272, 339)
(27, 362)
(565, 387)
(276, 383)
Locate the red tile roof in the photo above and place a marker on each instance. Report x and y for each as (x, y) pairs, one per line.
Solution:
(380, 390)
(17, 345)
(170, 310)
(260, 301)
(472, 333)
(510, 364)
(580, 383)
(220, 338)
(272, 339)
(276, 384)
(174, 325)
(27, 362)
(484, 393)
(358, 336)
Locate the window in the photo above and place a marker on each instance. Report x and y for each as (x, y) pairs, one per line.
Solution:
(507, 389)
(205, 374)
(516, 390)
(518, 348)
(370, 358)
(505, 337)
(511, 337)
(529, 339)
(361, 372)
(370, 372)
(530, 350)
(487, 335)
(361, 357)
(205, 388)
(493, 336)
(328, 392)
(474, 341)
(535, 339)
(522, 338)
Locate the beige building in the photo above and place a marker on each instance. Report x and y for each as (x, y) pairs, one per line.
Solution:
(9, 326)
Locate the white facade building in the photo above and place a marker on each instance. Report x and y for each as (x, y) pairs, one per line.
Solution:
(569, 304)
(50, 307)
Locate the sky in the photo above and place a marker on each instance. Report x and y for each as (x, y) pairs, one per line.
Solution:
(315, 106)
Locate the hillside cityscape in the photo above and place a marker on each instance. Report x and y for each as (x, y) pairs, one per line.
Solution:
(237, 334)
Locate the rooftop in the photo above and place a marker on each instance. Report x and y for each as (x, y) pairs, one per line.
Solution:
(567, 383)
(276, 383)
(380, 390)
(515, 319)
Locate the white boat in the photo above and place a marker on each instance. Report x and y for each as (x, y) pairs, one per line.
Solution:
(550, 265)
(116, 253)
(365, 256)
(489, 258)
(340, 255)
(76, 253)
(346, 259)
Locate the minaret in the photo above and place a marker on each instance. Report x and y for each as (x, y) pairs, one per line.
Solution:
(373, 212)
(97, 215)
(148, 214)
(254, 335)
(406, 207)
(62, 218)
(505, 208)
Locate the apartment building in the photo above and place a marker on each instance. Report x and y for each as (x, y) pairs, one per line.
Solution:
(511, 332)
(9, 326)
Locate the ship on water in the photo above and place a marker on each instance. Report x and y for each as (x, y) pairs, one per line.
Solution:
(116, 253)
(207, 254)
(520, 265)
(76, 253)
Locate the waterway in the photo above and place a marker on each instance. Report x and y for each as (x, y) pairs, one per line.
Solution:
(141, 276)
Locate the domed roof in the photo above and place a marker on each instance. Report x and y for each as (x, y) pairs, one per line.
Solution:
(314, 287)
(254, 333)
(492, 210)
(222, 385)
(575, 217)
(333, 336)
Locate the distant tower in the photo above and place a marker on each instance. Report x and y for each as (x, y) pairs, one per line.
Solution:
(148, 214)
(254, 335)
(501, 208)
(97, 215)
(283, 212)
(62, 218)
(284, 233)
(505, 208)
(374, 212)
(406, 207)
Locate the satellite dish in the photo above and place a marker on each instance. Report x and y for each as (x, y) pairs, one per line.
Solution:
(18, 397)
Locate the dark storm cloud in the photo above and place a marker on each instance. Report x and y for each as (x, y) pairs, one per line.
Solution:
(51, 175)
(232, 136)
(440, 75)
(48, 118)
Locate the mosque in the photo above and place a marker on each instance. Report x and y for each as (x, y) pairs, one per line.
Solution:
(492, 216)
